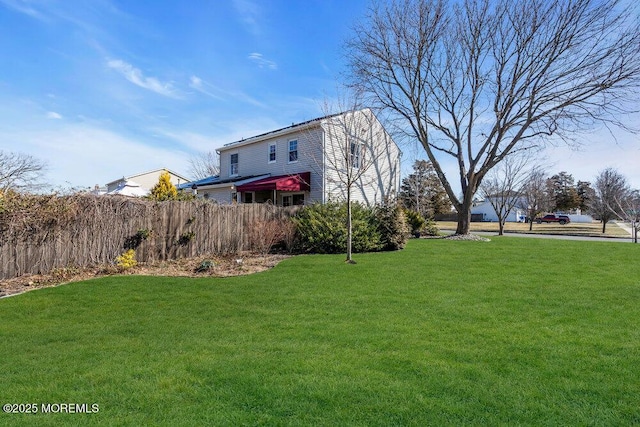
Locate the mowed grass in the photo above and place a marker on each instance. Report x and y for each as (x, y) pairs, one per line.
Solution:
(509, 332)
(589, 229)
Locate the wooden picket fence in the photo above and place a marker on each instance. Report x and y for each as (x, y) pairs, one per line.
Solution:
(98, 229)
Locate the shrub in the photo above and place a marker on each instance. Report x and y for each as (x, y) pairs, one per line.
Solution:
(30, 215)
(205, 266)
(322, 228)
(392, 226)
(289, 236)
(127, 260)
(264, 235)
(415, 221)
(430, 228)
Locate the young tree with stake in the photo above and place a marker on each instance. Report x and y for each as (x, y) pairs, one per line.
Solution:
(355, 148)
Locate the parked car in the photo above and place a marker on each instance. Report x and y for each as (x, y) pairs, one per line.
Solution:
(560, 219)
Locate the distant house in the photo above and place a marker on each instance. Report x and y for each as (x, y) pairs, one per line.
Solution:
(483, 209)
(297, 165)
(143, 182)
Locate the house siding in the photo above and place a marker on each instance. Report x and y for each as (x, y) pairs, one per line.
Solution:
(318, 146)
(218, 195)
(381, 178)
(489, 213)
(253, 159)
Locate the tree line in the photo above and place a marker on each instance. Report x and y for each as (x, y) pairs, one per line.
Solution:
(477, 82)
(514, 184)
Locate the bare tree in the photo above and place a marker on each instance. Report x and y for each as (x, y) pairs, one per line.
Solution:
(479, 80)
(355, 148)
(535, 198)
(204, 165)
(501, 187)
(629, 208)
(20, 171)
(611, 190)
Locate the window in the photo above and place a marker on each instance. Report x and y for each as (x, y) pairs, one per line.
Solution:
(234, 164)
(248, 197)
(293, 200)
(293, 150)
(355, 155)
(272, 153)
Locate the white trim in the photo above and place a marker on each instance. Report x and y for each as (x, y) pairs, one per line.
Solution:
(289, 151)
(231, 172)
(275, 152)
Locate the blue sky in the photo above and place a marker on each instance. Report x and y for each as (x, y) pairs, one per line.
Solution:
(105, 88)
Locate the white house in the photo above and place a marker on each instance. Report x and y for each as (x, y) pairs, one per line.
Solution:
(144, 181)
(488, 213)
(307, 162)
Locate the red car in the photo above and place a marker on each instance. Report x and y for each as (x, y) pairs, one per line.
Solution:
(560, 219)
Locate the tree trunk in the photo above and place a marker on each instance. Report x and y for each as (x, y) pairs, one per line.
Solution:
(464, 220)
(500, 227)
(604, 226)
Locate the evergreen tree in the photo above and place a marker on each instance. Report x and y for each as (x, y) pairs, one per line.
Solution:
(563, 192)
(586, 194)
(164, 189)
(422, 191)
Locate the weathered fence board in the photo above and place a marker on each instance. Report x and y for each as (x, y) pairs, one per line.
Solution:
(96, 231)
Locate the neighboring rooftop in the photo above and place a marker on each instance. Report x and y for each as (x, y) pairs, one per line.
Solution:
(125, 178)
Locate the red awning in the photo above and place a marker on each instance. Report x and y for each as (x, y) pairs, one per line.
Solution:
(295, 182)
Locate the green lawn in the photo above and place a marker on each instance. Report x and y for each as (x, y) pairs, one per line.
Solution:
(509, 332)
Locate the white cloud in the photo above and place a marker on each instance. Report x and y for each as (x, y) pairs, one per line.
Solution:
(205, 88)
(589, 160)
(262, 62)
(249, 13)
(196, 82)
(224, 132)
(84, 154)
(23, 7)
(53, 115)
(193, 140)
(208, 89)
(135, 76)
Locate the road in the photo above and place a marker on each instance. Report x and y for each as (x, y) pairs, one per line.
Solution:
(620, 224)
